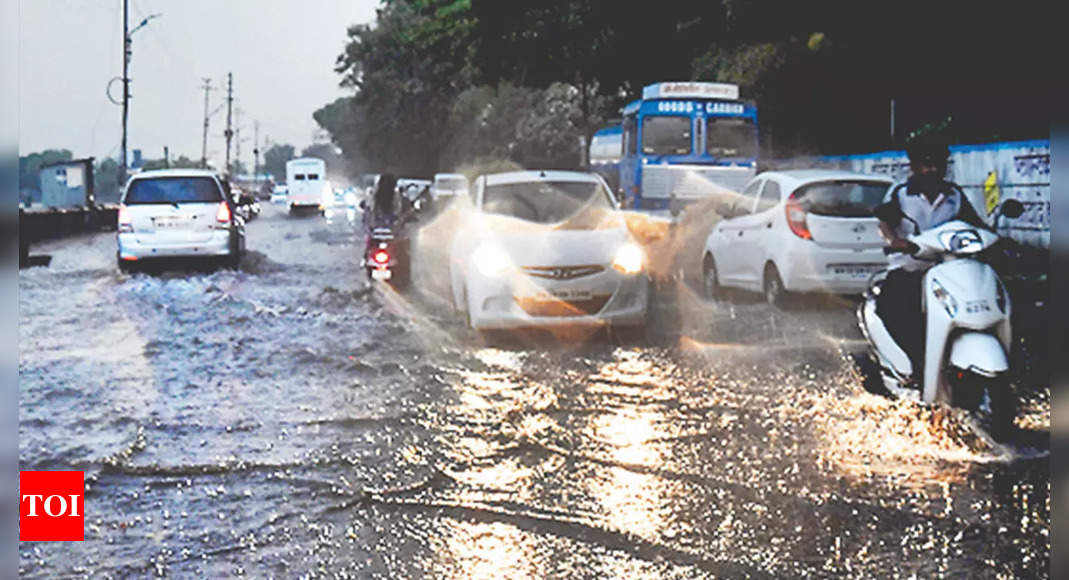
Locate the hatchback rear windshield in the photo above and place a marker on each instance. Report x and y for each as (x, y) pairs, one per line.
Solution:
(545, 202)
(847, 198)
(173, 190)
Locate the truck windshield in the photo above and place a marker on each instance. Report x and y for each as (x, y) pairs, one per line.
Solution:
(666, 135)
(173, 190)
(545, 202)
(730, 137)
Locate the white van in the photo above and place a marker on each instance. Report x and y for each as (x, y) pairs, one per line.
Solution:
(307, 181)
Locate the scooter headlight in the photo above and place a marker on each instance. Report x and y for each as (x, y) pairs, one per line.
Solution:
(963, 242)
(491, 261)
(628, 259)
(948, 301)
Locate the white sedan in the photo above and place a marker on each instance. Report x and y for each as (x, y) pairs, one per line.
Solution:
(547, 248)
(798, 231)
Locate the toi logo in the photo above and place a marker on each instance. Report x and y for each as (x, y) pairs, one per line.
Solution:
(51, 506)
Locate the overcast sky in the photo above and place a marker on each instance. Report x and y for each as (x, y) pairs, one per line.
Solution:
(281, 52)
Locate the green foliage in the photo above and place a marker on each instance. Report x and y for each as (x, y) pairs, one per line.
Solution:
(443, 82)
(275, 158)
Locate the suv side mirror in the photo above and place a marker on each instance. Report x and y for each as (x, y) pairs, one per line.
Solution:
(1012, 208)
(725, 210)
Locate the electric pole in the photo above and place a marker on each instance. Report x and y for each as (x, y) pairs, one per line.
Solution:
(125, 88)
(237, 138)
(127, 51)
(229, 116)
(204, 140)
(255, 150)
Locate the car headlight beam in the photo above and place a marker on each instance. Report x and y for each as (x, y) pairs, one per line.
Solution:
(491, 261)
(629, 259)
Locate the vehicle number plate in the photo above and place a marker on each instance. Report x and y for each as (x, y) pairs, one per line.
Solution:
(569, 295)
(165, 222)
(381, 274)
(854, 271)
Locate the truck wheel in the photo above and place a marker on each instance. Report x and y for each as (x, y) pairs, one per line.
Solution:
(124, 266)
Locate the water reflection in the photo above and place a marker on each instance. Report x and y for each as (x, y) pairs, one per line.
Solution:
(489, 550)
(632, 497)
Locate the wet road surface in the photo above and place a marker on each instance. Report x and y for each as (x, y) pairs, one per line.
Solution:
(290, 420)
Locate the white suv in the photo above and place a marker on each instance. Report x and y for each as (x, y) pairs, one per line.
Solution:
(178, 213)
(800, 230)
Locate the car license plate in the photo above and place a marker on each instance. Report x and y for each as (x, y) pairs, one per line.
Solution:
(381, 274)
(858, 271)
(567, 295)
(171, 221)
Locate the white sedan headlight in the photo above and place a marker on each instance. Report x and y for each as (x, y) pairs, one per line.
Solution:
(629, 259)
(491, 261)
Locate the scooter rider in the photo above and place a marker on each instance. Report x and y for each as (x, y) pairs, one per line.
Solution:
(926, 200)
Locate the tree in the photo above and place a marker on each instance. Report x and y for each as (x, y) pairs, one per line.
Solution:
(275, 158)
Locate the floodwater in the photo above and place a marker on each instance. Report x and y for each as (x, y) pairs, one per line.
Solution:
(289, 419)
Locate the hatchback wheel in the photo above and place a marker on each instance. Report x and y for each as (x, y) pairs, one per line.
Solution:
(775, 293)
(710, 280)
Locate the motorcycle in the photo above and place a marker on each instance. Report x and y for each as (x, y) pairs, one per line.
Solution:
(968, 332)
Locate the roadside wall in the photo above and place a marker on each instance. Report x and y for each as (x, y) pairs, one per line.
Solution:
(988, 173)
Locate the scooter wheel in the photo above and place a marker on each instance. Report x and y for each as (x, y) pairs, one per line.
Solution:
(1003, 409)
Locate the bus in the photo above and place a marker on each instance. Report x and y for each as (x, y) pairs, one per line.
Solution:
(684, 141)
(606, 147)
(306, 180)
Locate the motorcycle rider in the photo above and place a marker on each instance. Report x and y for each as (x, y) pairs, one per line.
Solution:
(925, 201)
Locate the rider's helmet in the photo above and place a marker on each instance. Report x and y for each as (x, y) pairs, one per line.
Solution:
(929, 145)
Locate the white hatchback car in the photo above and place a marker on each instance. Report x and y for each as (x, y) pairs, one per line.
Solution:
(178, 213)
(547, 248)
(798, 231)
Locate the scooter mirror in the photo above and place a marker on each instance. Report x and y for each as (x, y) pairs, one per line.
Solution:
(1012, 208)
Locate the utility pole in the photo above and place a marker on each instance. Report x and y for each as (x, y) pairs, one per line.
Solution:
(127, 51)
(229, 116)
(255, 150)
(204, 140)
(237, 136)
(166, 157)
(125, 88)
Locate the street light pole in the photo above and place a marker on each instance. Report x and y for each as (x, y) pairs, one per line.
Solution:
(127, 51)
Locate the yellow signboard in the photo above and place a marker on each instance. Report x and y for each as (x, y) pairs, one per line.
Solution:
(991, 192)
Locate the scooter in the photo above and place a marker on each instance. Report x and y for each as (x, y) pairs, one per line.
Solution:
(386, 257)
(968, 334)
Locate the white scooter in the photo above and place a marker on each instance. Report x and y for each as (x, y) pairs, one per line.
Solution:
(968, 335)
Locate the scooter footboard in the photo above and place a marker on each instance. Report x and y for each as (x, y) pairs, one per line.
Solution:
(979, 352)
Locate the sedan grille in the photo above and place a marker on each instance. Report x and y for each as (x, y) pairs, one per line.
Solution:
(562, 272)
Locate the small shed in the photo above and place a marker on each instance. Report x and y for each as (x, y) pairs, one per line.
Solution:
(67, 184)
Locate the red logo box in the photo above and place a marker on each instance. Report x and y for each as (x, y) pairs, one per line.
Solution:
(51, 506)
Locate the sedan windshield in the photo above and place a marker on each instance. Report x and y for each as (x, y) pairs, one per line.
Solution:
(666, 135)
(544, 201)
(173, 190)
(841, 198)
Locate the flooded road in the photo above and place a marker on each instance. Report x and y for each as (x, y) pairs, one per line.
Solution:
(290, 420)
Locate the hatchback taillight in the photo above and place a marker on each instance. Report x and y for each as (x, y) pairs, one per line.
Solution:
(796, 219)
(126, 223)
